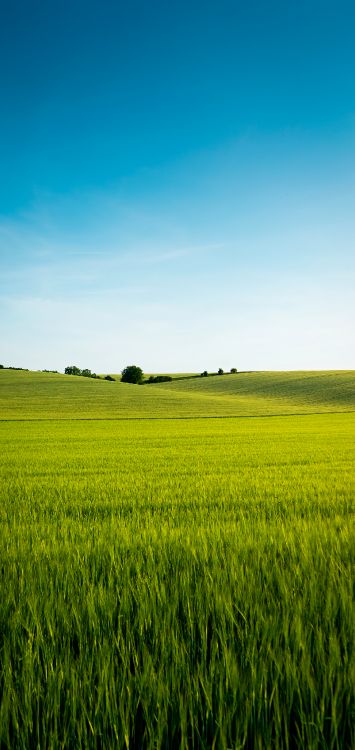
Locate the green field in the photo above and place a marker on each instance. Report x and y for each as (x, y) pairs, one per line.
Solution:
(177, 562)
(39, 395)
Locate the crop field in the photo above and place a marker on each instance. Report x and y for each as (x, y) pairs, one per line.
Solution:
(177, 562)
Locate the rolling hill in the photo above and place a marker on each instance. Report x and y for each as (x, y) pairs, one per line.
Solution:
(37, 395)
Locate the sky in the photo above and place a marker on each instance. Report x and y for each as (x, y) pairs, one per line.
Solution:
(178, 184)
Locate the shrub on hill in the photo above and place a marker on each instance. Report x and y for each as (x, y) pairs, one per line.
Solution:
(132, 374)
(204, 374)
(220, 371)
(86, 373)
(159, 379)
(109, 377)
(234, 370)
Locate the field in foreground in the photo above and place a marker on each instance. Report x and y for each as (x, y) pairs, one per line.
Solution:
(177, 583)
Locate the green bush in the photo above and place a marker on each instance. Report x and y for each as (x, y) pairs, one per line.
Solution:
(159, 379)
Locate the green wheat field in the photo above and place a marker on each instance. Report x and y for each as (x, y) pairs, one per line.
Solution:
(177, 562)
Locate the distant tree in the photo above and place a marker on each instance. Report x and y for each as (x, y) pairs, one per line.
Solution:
(132, 374)
(204, 374)
(87, 373)
(234, 370)
(1, 367)
(109, 377)
(72, 370)
(220, 371)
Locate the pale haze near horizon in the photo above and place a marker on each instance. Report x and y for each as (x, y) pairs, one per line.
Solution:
(221, 233)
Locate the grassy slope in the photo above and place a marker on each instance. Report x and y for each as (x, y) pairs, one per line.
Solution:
(319, 387)
(26, 395)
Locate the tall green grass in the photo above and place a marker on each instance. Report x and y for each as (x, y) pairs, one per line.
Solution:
(177, 583)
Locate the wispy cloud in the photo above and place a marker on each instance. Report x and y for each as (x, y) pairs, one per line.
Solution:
(47, 255)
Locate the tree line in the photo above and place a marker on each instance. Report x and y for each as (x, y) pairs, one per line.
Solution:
(85, 373)
(129, 374)
(134, 374)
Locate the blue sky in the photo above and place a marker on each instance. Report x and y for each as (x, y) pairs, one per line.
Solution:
(178, 184)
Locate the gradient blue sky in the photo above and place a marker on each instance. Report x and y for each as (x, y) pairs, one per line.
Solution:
(178, 184)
